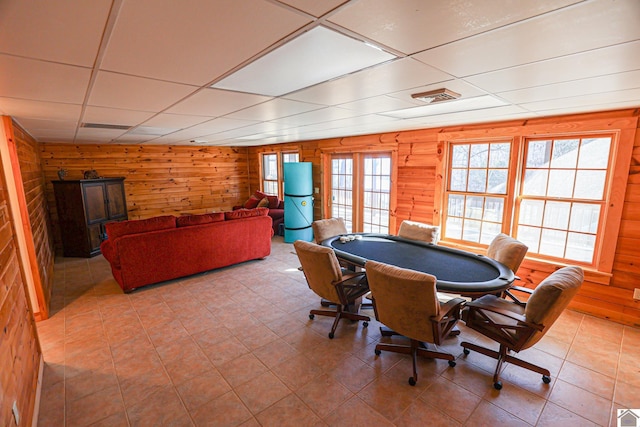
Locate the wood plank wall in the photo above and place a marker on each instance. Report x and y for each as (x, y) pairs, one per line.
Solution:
(415, 189)
(159, 180)
(19, 349)
(39, 218)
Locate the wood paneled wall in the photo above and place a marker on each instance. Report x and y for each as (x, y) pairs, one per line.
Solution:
(39, 219)
(416, 187)
(19, 349)
(159, 180)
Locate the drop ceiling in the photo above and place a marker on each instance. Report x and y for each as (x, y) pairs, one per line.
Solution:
(255, 72)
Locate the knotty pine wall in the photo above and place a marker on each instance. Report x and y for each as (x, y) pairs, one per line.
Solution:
(417, 153)
(159, 179)
(39, 218)
(20, 352)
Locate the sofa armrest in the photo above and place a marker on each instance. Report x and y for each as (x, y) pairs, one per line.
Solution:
(108, 250)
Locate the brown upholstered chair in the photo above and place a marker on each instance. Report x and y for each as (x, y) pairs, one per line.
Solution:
(326, 228)
(508, 251)
(419, 231)
(518, 325)
(324, 276)
(405, 301)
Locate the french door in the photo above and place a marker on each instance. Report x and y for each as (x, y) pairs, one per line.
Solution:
(360, 191)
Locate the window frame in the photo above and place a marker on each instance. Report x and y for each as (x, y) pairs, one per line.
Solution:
(264, 180)
(622, 132)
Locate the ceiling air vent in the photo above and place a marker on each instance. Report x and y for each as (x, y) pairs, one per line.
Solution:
(104, 126)
(437, 95)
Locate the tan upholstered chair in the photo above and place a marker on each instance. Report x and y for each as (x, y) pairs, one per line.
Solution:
(516, 325)
(508, 251)
(326, 228)
(325, 278)
(419, 231)
(405, 301)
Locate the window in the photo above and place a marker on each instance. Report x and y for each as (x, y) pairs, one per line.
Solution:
(553, 199)
(360, 191)
(563, 196)
(270, 174)
(272, 182)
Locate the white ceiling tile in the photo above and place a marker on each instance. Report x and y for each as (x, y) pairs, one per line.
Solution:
(215, 102)
(411, 26)
(274, 109)
(38, 29)
(631, 95)
(548, 36)
(377, 104)
(135, 93)
(114, 116)
(194, 42)
(40, 110)
(615, 59)
(316, 8)
(178, 121)
(600, 84)
(42, 81)
(316, 116)
(49, 129)
(389, 77)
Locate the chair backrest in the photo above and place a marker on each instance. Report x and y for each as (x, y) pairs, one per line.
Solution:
(326, 228)
(404, 299)
(550, 299)
(320, 267)
(508, 251)
(419, 231)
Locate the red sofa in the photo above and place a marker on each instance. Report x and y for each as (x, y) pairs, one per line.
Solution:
(142, 252)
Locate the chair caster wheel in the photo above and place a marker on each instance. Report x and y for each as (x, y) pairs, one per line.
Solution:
(312, 316)
(466, 351)
(546, 379)
(377, 352)
(365, 324)
(497, 385)
(412, 381)
(452, 363)
(331, 335)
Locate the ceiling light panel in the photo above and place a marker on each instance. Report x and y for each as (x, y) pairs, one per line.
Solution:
(316, 56)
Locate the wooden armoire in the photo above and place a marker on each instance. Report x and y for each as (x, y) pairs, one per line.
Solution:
(84, 206)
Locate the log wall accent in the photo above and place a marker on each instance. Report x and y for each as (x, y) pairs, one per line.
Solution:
(159, 180)
(20, 353)
(417, 181)
(39, 218)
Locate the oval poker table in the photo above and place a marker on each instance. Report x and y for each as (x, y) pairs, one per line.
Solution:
(456, 271)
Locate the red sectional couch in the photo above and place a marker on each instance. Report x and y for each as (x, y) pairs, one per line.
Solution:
(142, 252)
(275, 205)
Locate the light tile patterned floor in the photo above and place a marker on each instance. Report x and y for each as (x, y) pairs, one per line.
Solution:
(235, 346)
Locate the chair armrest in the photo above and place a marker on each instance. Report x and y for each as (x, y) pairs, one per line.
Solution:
(489, 304)
(448, 307)
(518, 289)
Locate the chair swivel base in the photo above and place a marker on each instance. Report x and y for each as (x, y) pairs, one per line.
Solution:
(415, 349)
(339, 314)
(503, 356)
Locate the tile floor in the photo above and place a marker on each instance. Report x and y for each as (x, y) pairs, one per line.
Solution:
(235, 346)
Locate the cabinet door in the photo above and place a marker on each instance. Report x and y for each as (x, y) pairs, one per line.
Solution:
(94, 200)
(116, 202)
(95, 238)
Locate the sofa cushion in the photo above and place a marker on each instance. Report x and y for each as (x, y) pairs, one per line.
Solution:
(251, 202)
(274, 202)
(136, 226)
(264, 203)
(246, 213)
(188, 220)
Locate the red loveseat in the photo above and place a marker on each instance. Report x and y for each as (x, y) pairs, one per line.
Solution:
(142, 252)
(275, 206)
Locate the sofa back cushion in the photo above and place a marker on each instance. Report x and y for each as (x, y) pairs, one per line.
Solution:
(246, 213)
(188, 220)
(137, 226)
